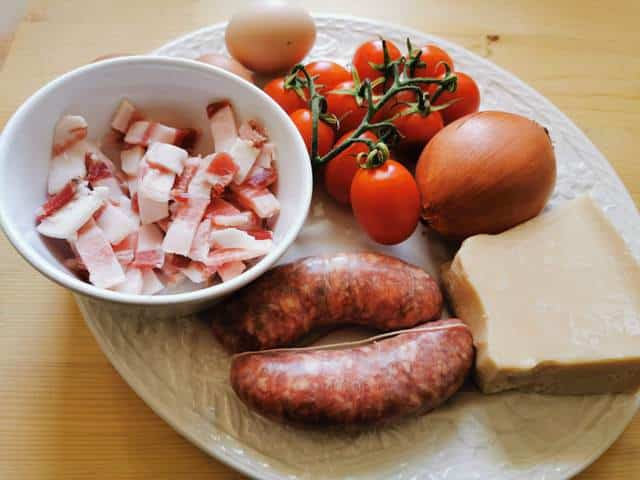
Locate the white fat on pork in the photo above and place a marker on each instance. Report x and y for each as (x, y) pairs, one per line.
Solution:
(151, 210)
(69, 130)
(260, 200)
(230, 270)
(199, 185)
(132, 185)
(97, 156)
(149, 251)
(223, 126)
(151, 284)
(65, 222)
(132, 282)
(221, 256)
(143, 133)
(225, 214)
(244, 155)
(191, 166)
(103, 173)
(240, 219)
(167, 156)
(130, 160)
(267, 155)
(66, 166)
(126, 249)
(98, 257)
(182, 230)
(125, 115)
(156, 184)
(220, 171)
(196, 272)
(201, 242)
(251, 130)
(116, 223)
(115, 192)
(236, 238)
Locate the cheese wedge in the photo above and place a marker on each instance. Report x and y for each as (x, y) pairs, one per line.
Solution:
(553, 304)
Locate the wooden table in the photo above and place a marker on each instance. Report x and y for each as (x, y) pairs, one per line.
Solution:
(64, 411)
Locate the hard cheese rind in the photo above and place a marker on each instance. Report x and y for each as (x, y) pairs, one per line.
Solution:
(554, 304)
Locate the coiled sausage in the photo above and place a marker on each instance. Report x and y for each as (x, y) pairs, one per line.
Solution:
(290, 300)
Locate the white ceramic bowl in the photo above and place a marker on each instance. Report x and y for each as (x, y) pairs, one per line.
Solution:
(183, 87)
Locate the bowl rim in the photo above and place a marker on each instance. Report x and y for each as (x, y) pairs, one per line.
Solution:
(67, 279)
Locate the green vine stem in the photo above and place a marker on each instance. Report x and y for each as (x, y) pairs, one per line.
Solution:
(385, 130)
(316, 102)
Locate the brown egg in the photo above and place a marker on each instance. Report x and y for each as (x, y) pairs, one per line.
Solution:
(227, 63)
(270, 37)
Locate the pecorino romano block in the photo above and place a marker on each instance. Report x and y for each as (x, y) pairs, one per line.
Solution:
(553, 304)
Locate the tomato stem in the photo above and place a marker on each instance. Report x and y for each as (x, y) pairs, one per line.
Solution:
(318, 106)
(385, 130)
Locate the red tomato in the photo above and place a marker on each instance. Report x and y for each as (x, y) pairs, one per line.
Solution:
(303, 122)
(417, 129)
(345, 107)
(289, 100)
(371, 52)
(340, 170)
(433, 55)
(386, 202)
(467, 95)
(328, 74)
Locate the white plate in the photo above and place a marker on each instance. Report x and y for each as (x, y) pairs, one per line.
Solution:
(181, 372)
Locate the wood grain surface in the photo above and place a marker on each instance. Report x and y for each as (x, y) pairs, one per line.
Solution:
(64, 411)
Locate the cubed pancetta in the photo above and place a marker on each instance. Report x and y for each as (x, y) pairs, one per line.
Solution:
(222, 122)
(149, 251)
(97, 255)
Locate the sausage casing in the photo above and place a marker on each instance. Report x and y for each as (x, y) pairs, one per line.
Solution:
(410, 373)
(290, 300)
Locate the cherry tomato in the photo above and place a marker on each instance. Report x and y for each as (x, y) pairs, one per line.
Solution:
(345, 107)
(328, 74)
(467, 95)
(433, 55)
(303, 122)
(417, 129)
(340, 170)
(289, 100)
(386, 202)
(372, 52)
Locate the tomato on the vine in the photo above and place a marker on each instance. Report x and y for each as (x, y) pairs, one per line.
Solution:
(288, 99)
(341, 169)
(372, 53)
(302, 119)
(433, 57)
(466, 96)
(386, 202)
(417, 129)
(345, 107)
(327, 74)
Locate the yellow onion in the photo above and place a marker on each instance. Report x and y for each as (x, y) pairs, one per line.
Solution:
(485, 173)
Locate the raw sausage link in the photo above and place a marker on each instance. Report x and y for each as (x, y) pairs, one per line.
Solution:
(411, 373)
(344, 289)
